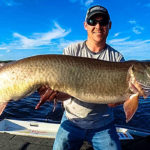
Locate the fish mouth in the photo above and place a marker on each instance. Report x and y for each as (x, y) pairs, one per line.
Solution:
(145, 89)
(135, 87)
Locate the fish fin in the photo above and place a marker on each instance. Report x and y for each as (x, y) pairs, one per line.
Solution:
(49, 95)
(130, 106)
(44, 97)
(2, 107)
(55, 103)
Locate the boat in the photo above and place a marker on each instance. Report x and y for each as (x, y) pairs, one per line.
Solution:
(130, 137)
(29, 128)
(43, 129)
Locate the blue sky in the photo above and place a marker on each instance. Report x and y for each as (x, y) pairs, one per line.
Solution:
(32, 27)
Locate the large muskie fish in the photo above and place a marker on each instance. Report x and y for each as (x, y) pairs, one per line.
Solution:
(87, 79)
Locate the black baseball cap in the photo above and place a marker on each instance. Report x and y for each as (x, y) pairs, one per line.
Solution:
(94, 10)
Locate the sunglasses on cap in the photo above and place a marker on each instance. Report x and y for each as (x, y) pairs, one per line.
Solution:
(93, 22)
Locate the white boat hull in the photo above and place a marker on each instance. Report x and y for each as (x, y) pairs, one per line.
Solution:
(49, 130)
(29, 128)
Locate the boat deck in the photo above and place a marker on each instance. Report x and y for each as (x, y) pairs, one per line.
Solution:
(19, 142)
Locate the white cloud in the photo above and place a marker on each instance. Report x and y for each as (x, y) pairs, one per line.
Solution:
(88, 2)
(3, 47)
(137, 29)
(132, 22)
(114, 41)
(83, 2)
(117, 34)
(36, 40)
(132, 49)
(9, 2)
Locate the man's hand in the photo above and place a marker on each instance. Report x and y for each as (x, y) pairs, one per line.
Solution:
(47, 94)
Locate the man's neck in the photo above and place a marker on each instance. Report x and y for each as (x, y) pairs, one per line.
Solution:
(95, 47)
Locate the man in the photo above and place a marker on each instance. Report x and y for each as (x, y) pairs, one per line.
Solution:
(85, 121)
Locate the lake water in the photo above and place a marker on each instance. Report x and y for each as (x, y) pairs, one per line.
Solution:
(25, 110)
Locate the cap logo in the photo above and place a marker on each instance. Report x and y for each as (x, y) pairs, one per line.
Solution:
(96, 9)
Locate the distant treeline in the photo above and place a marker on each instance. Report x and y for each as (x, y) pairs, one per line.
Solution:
(6, 61)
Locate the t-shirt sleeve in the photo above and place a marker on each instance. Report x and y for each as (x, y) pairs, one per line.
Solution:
(122, 59)
(73, 49)
(70, 50)
(66, 51)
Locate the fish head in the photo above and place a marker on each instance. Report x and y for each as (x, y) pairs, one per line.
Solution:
(142, 73)
(140, 78)
(139, 84)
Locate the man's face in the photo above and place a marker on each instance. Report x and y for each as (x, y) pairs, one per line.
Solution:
(97, 32)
